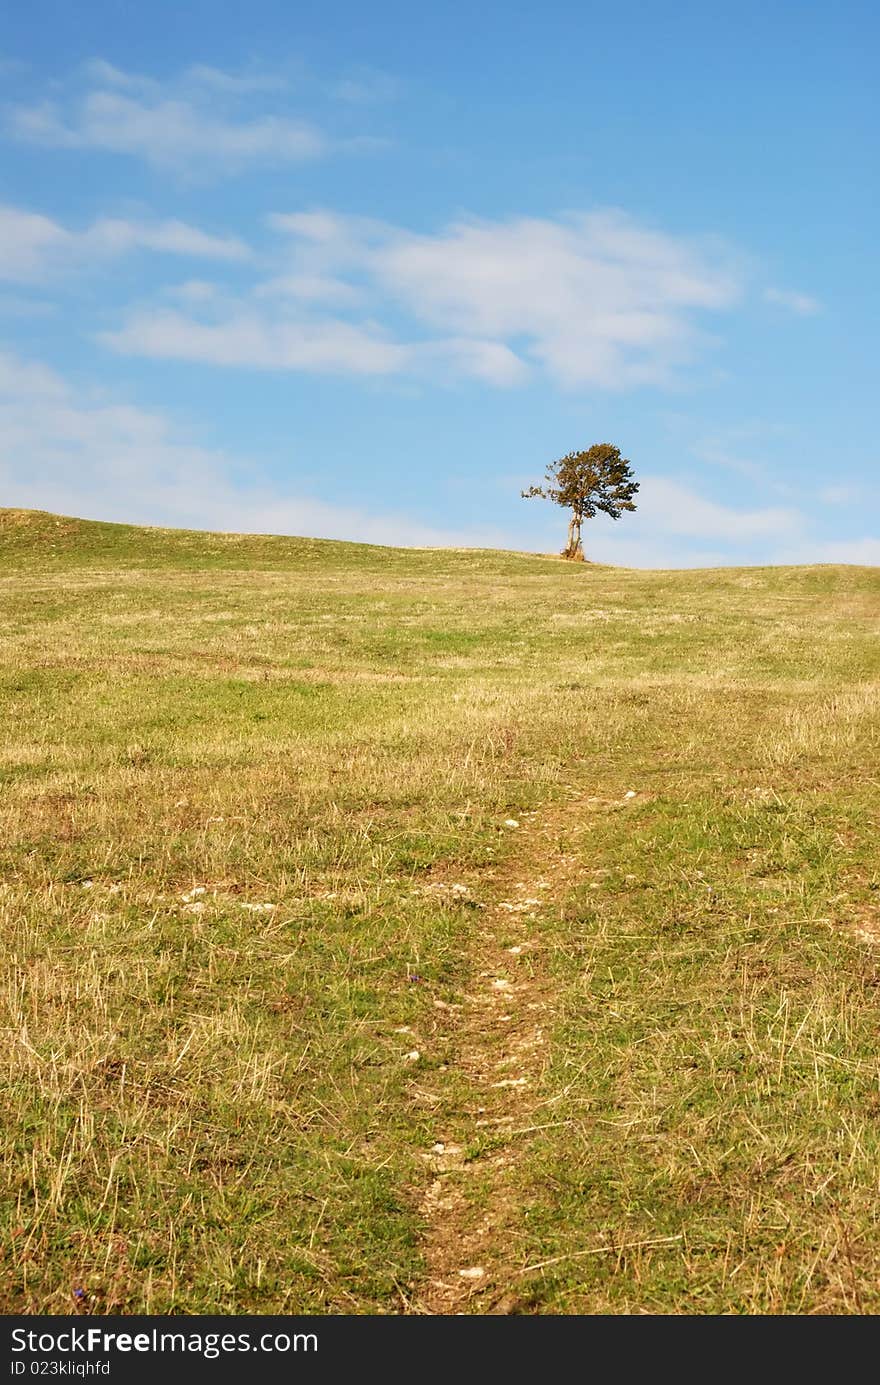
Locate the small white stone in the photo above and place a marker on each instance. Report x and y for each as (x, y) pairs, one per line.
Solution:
(630, 793)
(473, 1272)
(413, 1056)
(509, 822)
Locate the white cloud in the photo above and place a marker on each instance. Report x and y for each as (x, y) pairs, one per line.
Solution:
(843, 494)
(865, 551)
(80, 455)
(726, 452)
(104, 74)
(170, 133)
(101, 73)
(324, 346)
(29, 243)
(248, 340)
(592, 300)
(241, 83)
(803, 304)
(653, 551)
(29, 381)
(167, 237)
(309, 288)
(492, 361)
(668, 507)
(33, 246)
(205, 121)
(366, 87)
(14, 305)
(194, 291)
(75, 452)
(675, 527)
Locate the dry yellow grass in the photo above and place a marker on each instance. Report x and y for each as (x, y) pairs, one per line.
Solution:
(211, 1105)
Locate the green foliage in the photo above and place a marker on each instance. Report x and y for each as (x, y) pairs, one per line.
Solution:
(586, 482)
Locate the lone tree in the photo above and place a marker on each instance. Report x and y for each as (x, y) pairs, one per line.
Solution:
(584, 482)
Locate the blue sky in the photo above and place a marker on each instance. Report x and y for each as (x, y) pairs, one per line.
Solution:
(362, 271)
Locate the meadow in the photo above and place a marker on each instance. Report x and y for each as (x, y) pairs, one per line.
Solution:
(425, 931)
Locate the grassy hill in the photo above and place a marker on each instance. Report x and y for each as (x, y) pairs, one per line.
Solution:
(407, 930)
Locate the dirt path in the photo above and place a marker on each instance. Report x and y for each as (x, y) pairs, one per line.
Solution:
(498, 1034)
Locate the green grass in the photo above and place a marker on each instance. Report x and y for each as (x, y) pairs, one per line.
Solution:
(209, 1106)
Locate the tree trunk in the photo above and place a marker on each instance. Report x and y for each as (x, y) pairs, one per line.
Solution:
(573, 549)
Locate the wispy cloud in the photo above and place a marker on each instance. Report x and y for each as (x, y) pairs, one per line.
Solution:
(802, 304)
(34, 247)
(842, 494)
(677, 527)
(865, 551)
(169, 133)
(205, 121)
(745, 453)
(591, 300)
(239, 83)
(67, 452)
(366, 87)
(167, 237)
(671, 508)
(246, 339)
(29, 243)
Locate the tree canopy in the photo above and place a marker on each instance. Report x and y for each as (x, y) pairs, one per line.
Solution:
(599, 479)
